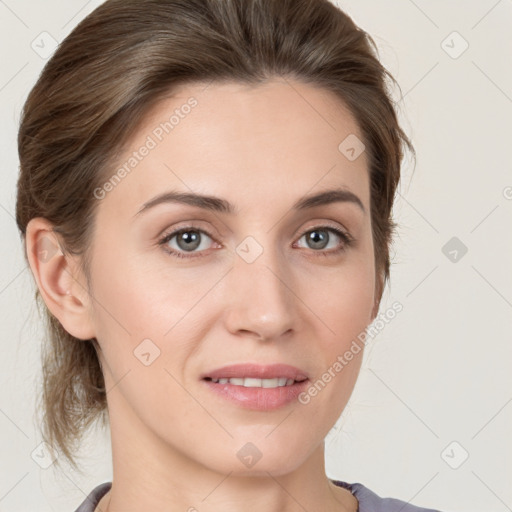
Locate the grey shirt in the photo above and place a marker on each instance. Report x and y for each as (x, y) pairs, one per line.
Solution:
(368, 500)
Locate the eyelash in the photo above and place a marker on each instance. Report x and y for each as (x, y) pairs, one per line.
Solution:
(348, 240)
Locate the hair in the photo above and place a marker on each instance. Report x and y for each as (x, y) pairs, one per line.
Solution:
(109, 72)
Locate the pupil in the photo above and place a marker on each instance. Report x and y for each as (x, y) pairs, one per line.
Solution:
(187, 237)
(318, 237)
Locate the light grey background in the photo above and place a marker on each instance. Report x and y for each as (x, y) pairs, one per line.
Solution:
(435, 385)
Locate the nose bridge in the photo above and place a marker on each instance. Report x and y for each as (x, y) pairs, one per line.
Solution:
(262, 300)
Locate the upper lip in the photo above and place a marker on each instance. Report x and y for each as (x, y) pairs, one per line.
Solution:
(256, 371)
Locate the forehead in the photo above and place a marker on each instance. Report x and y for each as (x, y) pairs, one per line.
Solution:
(279, 138)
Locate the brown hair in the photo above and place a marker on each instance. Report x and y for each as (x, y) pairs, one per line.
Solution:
(112, 69)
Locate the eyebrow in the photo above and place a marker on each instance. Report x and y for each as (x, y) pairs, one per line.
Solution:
(217, 204)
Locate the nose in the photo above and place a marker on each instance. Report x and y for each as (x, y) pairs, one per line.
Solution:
(259, 297)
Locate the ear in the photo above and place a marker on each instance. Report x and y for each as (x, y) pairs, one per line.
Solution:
(62, 286)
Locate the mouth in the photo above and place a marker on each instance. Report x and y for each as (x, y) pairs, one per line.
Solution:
(251, 382)
(257, 387)
(252, 375)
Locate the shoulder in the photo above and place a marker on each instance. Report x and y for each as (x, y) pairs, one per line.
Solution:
(371, 502)
(94, 497)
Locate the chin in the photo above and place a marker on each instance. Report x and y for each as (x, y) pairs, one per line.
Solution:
(249, 460)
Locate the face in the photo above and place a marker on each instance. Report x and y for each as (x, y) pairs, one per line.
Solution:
(265, 283)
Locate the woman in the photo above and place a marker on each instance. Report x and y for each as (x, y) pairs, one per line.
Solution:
(260, 134)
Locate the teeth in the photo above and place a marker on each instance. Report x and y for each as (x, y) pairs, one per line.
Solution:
(249, 382)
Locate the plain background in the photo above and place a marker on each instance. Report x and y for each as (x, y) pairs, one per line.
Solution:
(435, 387)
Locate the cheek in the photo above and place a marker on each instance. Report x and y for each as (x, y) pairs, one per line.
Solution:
(141, 296)
(345, 305)
(344, 298)
(143, 327)
(149, 312)
(344, 311)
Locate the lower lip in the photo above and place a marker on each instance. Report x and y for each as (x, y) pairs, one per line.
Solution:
(258, 399)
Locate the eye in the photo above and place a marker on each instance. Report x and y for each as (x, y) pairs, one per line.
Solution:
(187, 239)
(190, 239)
(318, 238)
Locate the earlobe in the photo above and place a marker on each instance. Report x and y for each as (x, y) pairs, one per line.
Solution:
(57, 276)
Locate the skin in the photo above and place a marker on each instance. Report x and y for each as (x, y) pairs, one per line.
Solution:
(175, 443)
